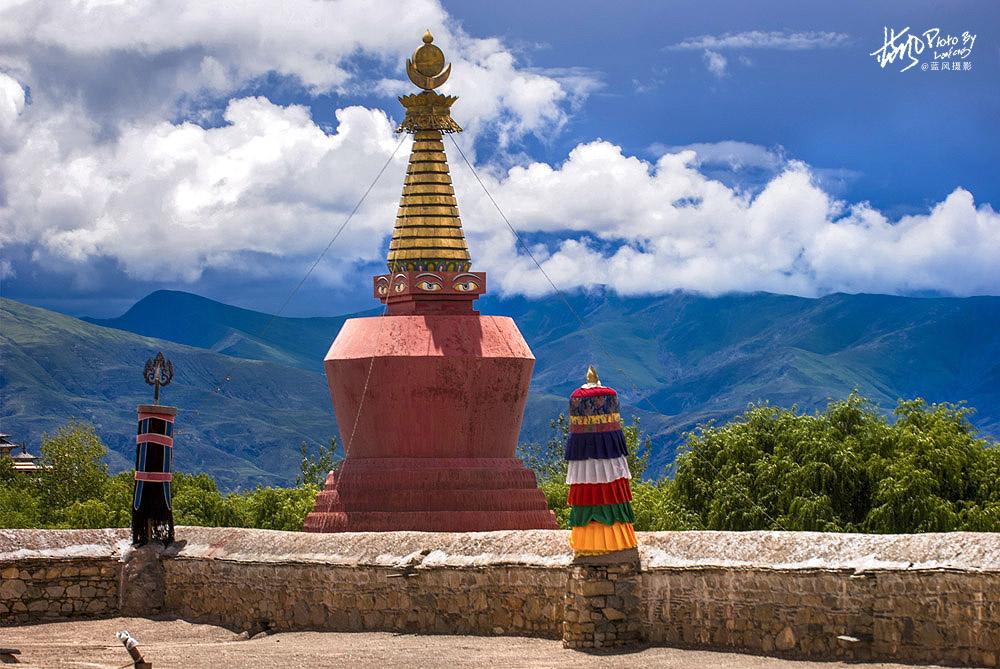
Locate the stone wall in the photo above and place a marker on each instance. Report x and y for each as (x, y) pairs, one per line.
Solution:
(400, 581)
(259, 596)
(919, 598)
(53, 576)
(602, 602)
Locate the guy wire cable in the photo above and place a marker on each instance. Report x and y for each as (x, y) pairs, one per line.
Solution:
(259, 334)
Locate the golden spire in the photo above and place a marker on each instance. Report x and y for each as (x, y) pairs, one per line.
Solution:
(428, 233)
(592, 378)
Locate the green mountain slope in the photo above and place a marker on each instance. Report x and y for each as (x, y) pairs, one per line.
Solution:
(692, 358)
(197, 321)
(677, 360)
(241, 420)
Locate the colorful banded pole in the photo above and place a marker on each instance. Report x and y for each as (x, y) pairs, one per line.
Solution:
(599, 491)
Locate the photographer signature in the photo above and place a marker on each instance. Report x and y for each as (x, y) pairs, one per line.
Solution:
(904, 45)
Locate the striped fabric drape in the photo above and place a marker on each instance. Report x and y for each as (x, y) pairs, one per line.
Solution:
(598, 477)
(152, 498)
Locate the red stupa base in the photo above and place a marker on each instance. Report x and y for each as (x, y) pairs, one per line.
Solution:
(431, 406)
(430, 495)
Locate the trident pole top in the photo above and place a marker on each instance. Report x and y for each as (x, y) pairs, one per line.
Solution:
(158, 372)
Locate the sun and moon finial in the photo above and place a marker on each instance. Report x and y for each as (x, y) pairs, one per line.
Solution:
(427, 68)
(428, 110)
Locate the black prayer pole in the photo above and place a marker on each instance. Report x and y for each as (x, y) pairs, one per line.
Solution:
(152, 512)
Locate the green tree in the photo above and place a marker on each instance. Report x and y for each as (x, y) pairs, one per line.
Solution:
(313, 470)
(846, 468)
(19, 506)
(277, 508)
(197, 501)
(74, 470)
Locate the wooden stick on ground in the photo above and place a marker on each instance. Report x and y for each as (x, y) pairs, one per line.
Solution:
(132, 646)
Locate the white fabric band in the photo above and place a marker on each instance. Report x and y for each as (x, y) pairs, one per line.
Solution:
(598, 471)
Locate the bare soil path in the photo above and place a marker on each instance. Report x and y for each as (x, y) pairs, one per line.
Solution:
(177, 643)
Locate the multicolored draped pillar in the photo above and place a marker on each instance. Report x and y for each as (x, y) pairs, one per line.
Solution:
(599, 491)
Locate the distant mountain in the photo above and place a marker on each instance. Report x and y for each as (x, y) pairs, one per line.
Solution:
(691, 359)
(197, 321)
(677, 359)
(241, 420)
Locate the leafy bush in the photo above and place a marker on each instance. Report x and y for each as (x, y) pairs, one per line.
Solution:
(77, 492)
(844, 469)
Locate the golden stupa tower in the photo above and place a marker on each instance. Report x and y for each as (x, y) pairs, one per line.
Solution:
(428, 233)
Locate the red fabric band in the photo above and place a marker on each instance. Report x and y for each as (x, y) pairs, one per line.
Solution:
(593, 392)
(163, 440)
(154, 477)
(596, 427)
(594, 494)
(143, 415)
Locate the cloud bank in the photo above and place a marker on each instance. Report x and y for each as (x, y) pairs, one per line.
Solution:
(653, 227)
(97, 166)
(759, 39)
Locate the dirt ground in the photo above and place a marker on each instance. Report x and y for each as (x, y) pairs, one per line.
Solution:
(177, 643)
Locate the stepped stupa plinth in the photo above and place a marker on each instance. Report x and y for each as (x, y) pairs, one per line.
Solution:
(430, 396)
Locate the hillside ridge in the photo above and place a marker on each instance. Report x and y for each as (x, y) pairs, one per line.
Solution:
(678, 360)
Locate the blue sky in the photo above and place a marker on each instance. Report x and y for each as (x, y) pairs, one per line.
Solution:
(647, 146)
(902, 142)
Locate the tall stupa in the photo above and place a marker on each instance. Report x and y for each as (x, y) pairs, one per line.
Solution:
(430, 396)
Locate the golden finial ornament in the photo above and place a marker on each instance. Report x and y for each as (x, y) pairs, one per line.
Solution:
(428, 236)
(428, 110)
(427, 68)
(592, 378)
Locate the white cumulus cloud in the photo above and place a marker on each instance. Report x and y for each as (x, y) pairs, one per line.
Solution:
(161, 58)
(171, 200)
(643, 227)
(11, 102)
(103, 164)
(760, 39)
(104, 160)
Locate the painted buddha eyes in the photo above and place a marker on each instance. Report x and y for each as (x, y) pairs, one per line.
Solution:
(428, 283)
